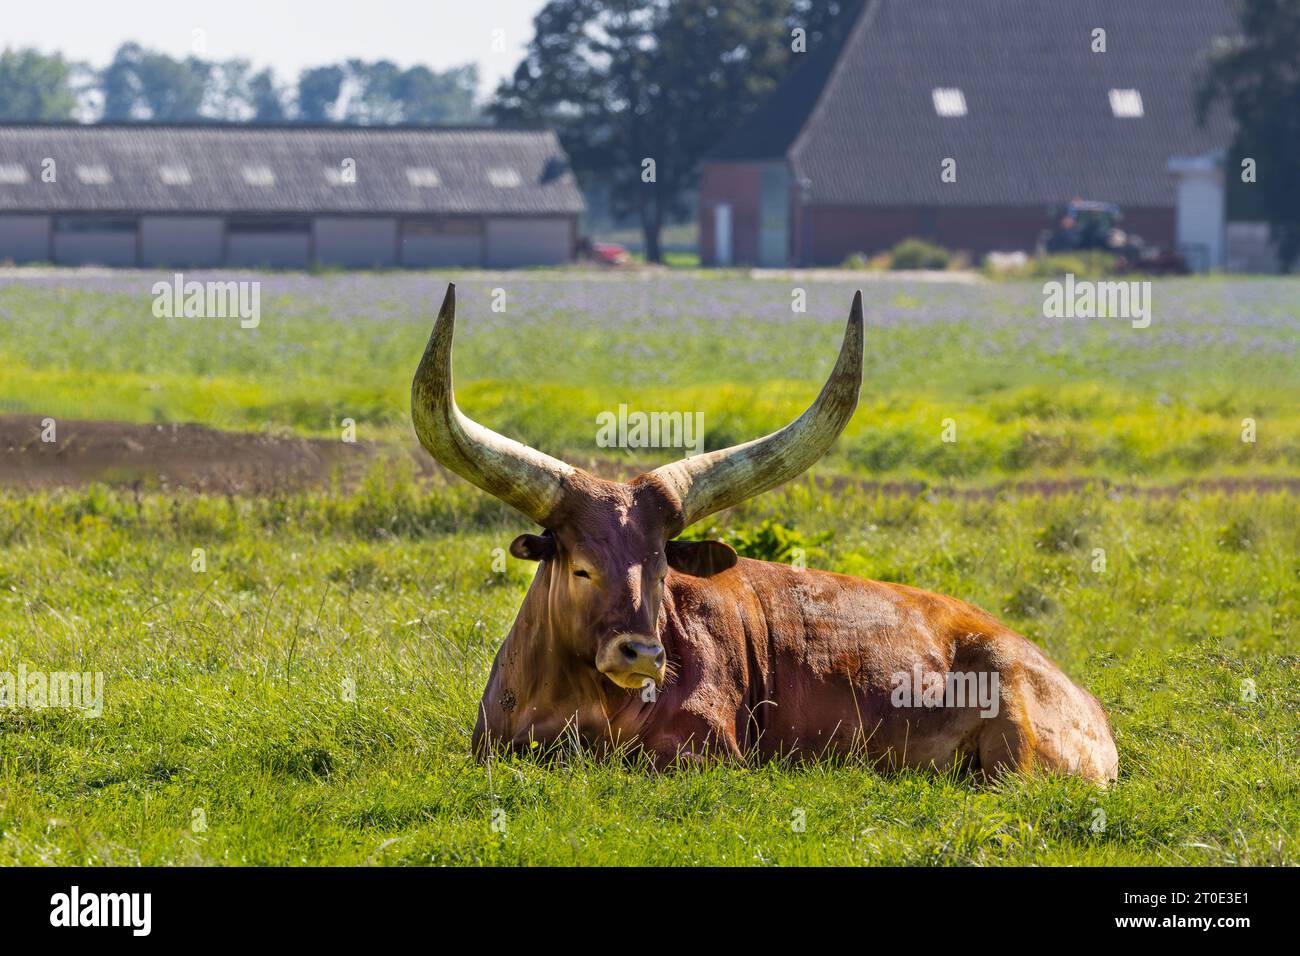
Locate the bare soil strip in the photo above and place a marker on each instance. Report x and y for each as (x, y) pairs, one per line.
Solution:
(170, 456)
(198, 458)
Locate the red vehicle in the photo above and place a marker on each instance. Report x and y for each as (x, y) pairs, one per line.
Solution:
(604, 253)
(610, 253)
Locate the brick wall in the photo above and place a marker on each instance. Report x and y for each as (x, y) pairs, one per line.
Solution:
(740, 185)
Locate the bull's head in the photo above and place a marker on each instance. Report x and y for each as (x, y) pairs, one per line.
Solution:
(608, 546)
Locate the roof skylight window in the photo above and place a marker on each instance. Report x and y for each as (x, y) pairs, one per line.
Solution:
(504, 177)
(423, 177)
(259, 176)
(949, 101)
(1126, 104)
(174, 175)
(94, 175)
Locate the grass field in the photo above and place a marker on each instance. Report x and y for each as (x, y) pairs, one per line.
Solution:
(307, 697)
(1027, 395)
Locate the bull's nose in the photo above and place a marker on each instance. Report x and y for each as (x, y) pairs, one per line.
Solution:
(639, 652)
(630, 660)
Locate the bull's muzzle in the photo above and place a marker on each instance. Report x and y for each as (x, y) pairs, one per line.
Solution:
(631, 659)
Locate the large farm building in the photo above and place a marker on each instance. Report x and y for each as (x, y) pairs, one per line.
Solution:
(284, 196)
(964, 121)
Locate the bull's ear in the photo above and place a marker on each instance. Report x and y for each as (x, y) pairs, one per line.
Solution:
(533, 547)
(700, 558)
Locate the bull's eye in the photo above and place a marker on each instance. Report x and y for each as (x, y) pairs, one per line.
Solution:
(581, 574)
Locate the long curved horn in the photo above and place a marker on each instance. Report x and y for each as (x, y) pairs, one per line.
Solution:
(522, 477)
(709, 483)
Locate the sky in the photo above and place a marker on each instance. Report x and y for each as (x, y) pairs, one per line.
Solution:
(284, 34)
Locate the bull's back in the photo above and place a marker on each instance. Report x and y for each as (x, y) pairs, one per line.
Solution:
(839, 664)
(834, 650)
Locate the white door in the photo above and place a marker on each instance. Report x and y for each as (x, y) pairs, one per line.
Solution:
(722, 234)
(528, 242)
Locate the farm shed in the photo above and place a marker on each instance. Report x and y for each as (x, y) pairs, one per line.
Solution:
(207, 195)
(1030, 103)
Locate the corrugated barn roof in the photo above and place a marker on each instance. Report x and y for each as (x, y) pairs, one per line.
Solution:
(284, 169)
(1010, 89)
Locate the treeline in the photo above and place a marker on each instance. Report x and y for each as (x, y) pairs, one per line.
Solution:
(145, 85)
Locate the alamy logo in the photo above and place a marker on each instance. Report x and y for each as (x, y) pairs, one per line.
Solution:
(37, 690)
(208, 300)
(1086, 299)
(103, 909)
(626, 429)
(950, 689)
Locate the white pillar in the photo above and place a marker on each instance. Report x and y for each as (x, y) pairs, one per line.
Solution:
(722, 234)
(1200, 198)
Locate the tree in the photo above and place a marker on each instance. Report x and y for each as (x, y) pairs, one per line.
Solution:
(639, 91)
(35, 87)
(227, 94)
(318, 93)
(142, 84)
(383, 93)
(1257, 75)
(374, 98)
(266, 98)
(121, 84)
(428, 96)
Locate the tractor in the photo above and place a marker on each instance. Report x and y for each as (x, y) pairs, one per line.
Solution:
(1084, 225)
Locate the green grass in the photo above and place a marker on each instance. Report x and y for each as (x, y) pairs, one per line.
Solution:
(228, 692)
(1027, 396)
(225, 689)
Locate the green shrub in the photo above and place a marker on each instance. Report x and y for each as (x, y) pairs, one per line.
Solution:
(863, 262)
(919, 254)
(768, 541)
(1028, 601)
(1239, 535)
(1062, 535)
(1092, 264)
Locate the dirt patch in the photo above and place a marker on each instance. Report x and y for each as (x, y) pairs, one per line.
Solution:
(197, 458)
(172, 456)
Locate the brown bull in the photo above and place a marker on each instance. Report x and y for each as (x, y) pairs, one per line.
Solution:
(627, 636)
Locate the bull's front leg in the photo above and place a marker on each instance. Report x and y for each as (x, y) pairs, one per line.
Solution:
(496, 729)
(535, 726)
(690, 741)
(494, 725)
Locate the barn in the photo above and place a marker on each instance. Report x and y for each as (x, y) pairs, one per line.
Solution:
(285, 197)
(963, 121)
